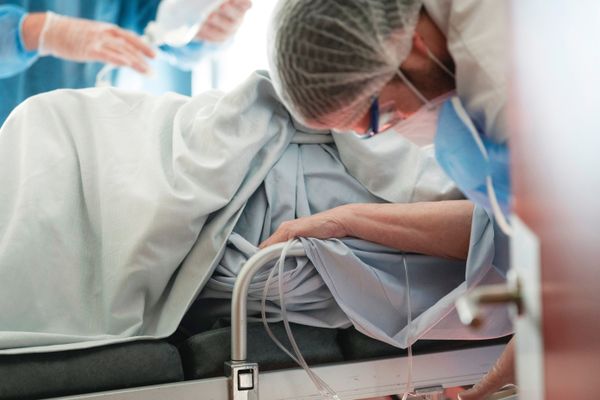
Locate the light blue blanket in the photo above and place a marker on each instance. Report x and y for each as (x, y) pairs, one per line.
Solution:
(350, 281)
(119, 208)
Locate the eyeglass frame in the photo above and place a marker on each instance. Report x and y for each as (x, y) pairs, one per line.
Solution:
(375, 114)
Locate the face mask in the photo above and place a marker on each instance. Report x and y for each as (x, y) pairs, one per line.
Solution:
(421, 126)
(386, 116)
(478, 165)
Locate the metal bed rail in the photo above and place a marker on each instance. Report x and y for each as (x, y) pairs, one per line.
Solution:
(243, 375)
(354, 380)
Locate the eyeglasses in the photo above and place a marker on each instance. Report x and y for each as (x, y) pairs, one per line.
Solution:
(381, 118)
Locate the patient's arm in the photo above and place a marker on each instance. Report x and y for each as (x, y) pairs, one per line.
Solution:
(440, 228)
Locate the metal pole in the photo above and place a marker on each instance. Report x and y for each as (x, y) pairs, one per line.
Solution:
(239, 311)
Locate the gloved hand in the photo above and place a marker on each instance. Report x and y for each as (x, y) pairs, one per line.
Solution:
(222, 23)
(84, 40)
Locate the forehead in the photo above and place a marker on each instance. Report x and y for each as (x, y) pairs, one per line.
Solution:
(344, 119)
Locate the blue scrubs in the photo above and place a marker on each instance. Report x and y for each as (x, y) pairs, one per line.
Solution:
(24, 74)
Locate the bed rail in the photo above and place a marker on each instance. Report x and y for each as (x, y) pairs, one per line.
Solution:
(242, 374)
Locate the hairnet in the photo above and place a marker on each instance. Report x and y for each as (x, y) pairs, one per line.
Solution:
(329, 57)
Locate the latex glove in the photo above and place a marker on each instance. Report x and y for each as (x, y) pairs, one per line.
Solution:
(83, 40)
(501, 374)
(222, 23)
(324, 225)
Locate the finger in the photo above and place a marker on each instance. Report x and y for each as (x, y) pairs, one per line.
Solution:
(213, 33)
(244, 5)
(134, 58)
(123, 47)
(209, 29)
(501, 374)
(116, 56)
(212, 37)
(274, 239)
(222, 23)
(285, 232)
(135, 41)
(110, 57)
(231, 12)
(227, 15)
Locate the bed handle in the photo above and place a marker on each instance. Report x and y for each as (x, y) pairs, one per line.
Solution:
(469, 305)
(243, 375)
(239, 350)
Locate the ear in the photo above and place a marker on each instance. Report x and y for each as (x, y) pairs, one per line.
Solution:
(419, 44)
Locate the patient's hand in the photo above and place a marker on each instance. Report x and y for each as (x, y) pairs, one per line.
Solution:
(439, 228)
(325, 225)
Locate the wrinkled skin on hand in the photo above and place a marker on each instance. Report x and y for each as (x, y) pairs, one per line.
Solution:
(501, 374)
(324, 225)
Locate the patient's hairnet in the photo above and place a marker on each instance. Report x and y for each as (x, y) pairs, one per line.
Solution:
(329, 57)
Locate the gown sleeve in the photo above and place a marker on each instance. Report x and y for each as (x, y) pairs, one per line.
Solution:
(478, 34)
(14, 57)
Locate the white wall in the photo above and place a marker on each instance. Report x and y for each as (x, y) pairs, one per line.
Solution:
(247, 52)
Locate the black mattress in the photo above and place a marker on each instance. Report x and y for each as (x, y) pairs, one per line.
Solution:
(187, 356)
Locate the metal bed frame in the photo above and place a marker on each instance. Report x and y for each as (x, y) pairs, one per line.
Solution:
(354, 380)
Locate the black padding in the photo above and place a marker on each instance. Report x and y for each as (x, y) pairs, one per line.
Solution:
(356, 346)
(204, 315)
(35, 376)
(204, 355)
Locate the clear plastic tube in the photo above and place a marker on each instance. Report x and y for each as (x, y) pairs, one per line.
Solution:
(409, 384)
(103, 77)
(439, 63)
(500, 217)
(324, 389)
(414, 89)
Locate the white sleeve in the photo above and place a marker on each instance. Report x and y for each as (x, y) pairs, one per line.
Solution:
(478, 37)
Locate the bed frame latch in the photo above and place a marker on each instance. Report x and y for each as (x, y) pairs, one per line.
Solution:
(243, 380)
(430, 393)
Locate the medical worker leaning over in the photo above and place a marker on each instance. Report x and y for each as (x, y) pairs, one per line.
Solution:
(47, 45)
(367, 66)
(433, 71)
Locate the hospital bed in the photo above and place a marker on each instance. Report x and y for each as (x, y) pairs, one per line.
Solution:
(241, 362)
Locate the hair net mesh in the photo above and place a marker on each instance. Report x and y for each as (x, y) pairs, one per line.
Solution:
(329, 57)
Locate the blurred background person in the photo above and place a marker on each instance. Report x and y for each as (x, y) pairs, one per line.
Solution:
(47, 45)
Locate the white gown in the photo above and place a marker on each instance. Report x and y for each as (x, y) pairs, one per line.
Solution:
(478, 35)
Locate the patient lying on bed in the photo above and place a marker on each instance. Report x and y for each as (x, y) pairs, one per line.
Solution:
(120, 209)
